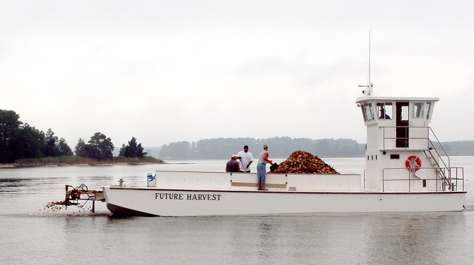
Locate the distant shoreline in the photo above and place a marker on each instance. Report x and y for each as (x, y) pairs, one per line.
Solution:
(77, 165)
(6, 166)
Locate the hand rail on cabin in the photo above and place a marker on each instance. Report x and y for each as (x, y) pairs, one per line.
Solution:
(446, 178)
(459, 177)
(406, 138)
(444, 151)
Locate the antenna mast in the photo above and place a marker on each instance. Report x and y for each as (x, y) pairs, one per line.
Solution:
(370, 45)
(368, 90)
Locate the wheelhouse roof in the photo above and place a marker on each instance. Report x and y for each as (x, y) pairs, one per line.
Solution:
(399, 99)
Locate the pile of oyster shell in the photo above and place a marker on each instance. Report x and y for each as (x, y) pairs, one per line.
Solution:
(304, 162)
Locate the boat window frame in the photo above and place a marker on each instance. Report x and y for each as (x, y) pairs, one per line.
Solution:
(388, 110)
(429, 107)
(404, 113)
(418, 109)
(368, 111)
(364, 115)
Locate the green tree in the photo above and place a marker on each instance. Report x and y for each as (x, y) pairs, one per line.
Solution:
(53, 146)
(63, 148)
(51, 142)
(18, 141)
(132, 149)
(100, 147)
(27, 143)
(9, 126)
(80, 149)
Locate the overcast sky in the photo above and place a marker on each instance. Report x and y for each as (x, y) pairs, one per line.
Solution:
(167, 71)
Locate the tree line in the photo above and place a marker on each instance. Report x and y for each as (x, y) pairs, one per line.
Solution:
(19, 140)
(281, 147)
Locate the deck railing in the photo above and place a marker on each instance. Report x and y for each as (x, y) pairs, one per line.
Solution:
(419, 138)
(455, 181)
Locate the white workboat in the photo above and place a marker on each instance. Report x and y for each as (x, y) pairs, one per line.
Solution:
(404, 173)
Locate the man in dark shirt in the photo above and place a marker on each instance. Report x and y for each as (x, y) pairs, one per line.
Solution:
(232, 165)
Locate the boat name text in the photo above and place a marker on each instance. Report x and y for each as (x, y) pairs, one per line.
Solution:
(188, 197)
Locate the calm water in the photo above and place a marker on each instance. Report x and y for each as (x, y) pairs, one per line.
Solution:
(33, 234)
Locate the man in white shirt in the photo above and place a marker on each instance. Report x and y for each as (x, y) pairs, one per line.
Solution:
(246, 159)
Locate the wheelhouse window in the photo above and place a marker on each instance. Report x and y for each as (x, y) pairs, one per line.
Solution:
(403, 114)
(428, 110)
(368, 112)
(418, 110)
(384, 110)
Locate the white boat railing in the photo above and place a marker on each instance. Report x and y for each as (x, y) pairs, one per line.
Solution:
(418, 138)
(412, 183)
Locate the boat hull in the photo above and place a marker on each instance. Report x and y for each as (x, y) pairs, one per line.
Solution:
(131, 201)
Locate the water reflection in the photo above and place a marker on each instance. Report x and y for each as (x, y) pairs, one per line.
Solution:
(411, 239)
(265, 240)
(12, 184)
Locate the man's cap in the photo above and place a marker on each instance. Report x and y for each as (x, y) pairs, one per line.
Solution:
(265, 146)
(246, 146)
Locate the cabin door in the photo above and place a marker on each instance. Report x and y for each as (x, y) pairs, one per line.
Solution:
(402, 124)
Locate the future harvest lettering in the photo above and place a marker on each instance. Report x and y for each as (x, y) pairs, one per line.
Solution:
(188, 197)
